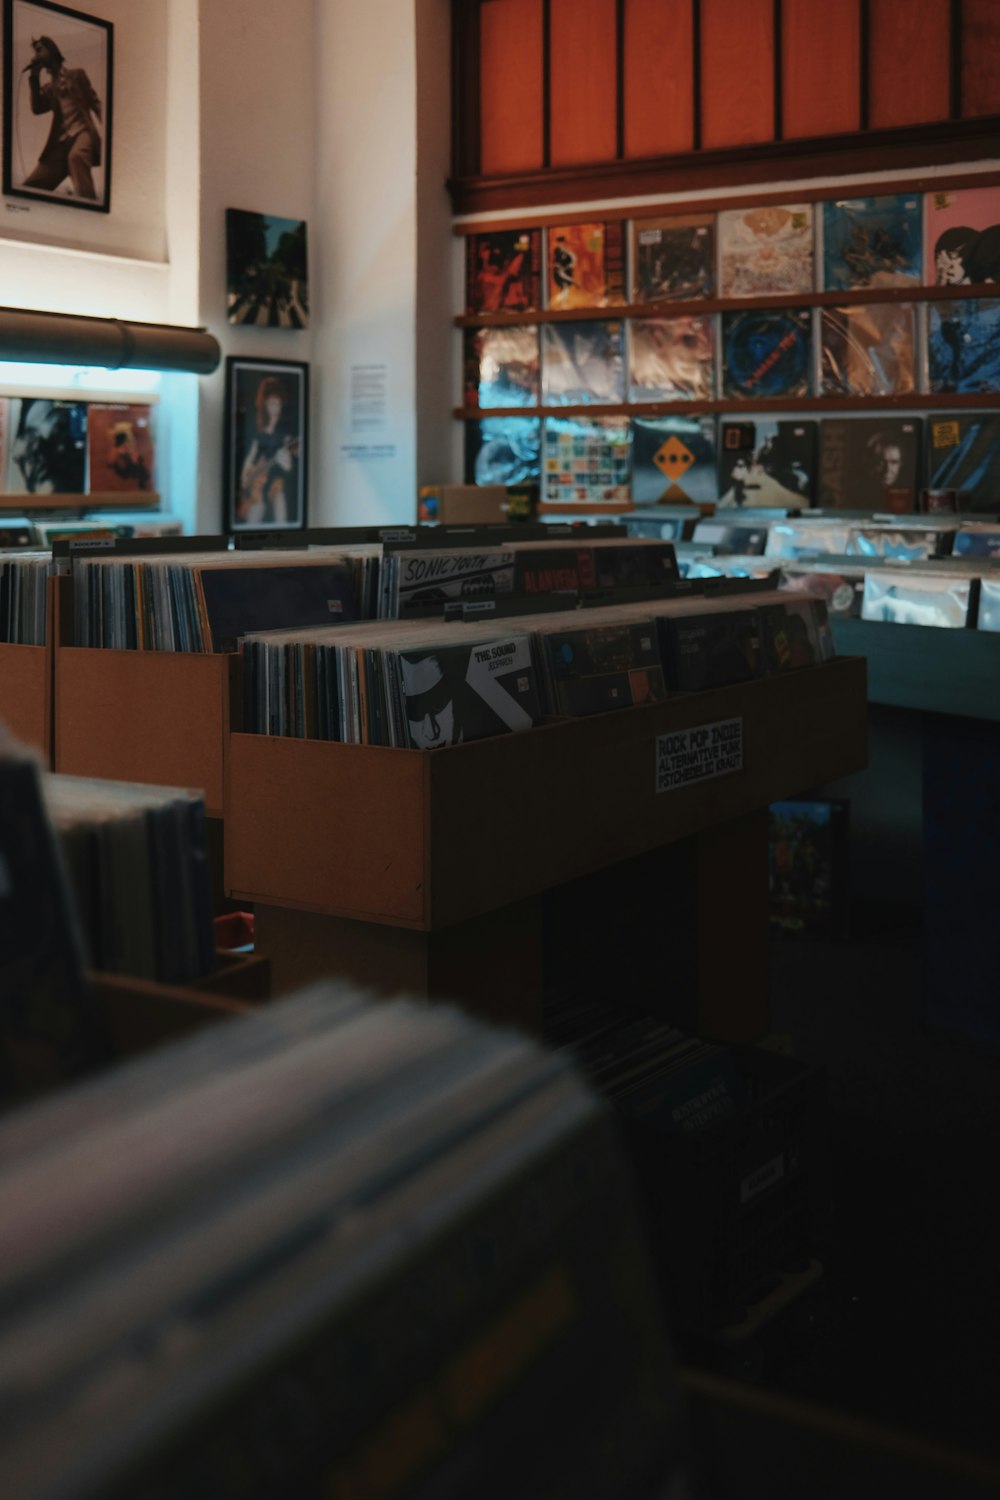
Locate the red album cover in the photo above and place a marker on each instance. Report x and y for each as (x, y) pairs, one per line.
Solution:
(503, 271)
(119, 448)
(586, 265)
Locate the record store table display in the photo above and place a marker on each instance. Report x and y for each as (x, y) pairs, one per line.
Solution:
(444, 870)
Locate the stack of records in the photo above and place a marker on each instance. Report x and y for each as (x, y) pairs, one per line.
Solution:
(49, 1029)
(203, 602)
(340, 1247)
(138, 869)
(23, 580)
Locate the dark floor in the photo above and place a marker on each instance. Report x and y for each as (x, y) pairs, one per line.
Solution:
(909, 1327)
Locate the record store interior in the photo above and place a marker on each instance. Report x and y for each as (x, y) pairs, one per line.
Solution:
(499, 749)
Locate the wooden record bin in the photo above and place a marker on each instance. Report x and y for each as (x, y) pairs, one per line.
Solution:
(441, 871)
(161, 717)
(26, 695)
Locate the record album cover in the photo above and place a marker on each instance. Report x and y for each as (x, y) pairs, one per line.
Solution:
(593, 670)
(808, 859)
(673, 259)
(767, 352)
(460, 692)
(963, 454)
(586, 264)
(671, 359)
(673, 459)
(963, 345)
(119, 448)
(502, 450)
(872, 241)
(862, 459)
(766, 249)
(942, 601)
(241, 600)
(962, 236)
(48, 447)
(501, 366)
(503, 271)
(586, 460)
(768, 461)
(583, 363)
(868, 350)
(428, 578)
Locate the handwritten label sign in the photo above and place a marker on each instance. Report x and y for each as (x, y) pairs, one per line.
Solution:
(700, 754)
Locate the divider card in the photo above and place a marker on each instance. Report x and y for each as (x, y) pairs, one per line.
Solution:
(963, 345)
(962, 236)
(673, 459)
(767, 461)
(583, 363)
(673, 259)
(767, 352)
(587, 264)
(872, 241)
(671, 359)
(503, 271)
(766, 250)
(502, 450)
(868, 350)
(501, 366)
(963, 454)
(586, 460)
(6, 419)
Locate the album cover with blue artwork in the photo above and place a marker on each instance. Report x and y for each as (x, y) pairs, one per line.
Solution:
(501, 366)
(502, 450)
(583, 363)
(586, 460)
(963, 454)
(872, 241)
(963, 345)
(767, 352)
(673, 460)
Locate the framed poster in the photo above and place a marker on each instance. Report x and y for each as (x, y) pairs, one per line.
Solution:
(266, 447)
(267, 279)
(57, 87)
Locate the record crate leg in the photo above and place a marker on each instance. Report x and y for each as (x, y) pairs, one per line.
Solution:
(492, 963)
(681, 931)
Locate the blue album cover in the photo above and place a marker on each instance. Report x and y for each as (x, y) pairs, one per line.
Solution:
(583, 363)
(963, 345)
(502, 450)
(767, 352)
(963, 454)
(501, 366)
(586, 460)
(872, 241)
(673, 459)
(976, 540)
(768, 461)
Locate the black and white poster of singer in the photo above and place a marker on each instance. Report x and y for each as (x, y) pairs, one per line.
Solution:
(57, 104)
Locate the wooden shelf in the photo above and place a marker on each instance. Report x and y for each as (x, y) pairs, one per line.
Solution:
(426, 839)
(850, 297)
(141, 1014)
(153, 716)
(917, 666)
(33, 504)
(737, 407)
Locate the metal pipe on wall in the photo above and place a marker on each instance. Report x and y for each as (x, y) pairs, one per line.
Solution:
(112, 343)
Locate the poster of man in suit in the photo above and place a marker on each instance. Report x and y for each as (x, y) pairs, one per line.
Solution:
(57, 104)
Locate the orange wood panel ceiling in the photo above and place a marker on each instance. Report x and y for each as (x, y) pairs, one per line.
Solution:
(909, 73)
(511, 86)
(980, 57)
(820, 67)
(659, 77)
(583, 82)
(737, 72)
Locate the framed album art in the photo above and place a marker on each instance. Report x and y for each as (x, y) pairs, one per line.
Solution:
(266, 446)
(57, 85)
